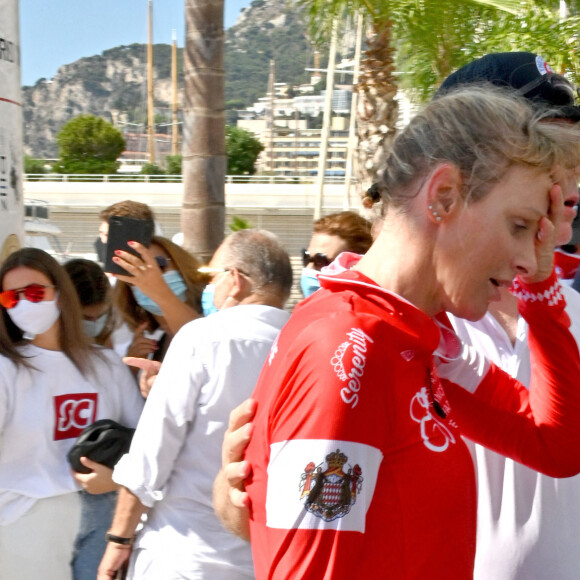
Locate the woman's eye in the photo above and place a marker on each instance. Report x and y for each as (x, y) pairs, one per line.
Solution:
(520, 227)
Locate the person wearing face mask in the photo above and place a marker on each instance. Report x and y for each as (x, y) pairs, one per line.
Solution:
(160, 294)
(150, 369)
(126, 208)
(208, 295)
(333, 234)
(53, 384)
(94, 292)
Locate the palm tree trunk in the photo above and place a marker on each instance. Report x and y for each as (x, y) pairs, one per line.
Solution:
(378, 108)
(204, 149)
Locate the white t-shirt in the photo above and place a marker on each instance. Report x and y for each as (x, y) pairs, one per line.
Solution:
(43, 411)
(211, 366)
(122, 337)
(528, 524)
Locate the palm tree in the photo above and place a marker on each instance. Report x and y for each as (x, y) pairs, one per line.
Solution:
(204, 149)
(432, 36)
(426, 39)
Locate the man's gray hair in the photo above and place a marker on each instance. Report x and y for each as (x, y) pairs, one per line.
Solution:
(260, 255)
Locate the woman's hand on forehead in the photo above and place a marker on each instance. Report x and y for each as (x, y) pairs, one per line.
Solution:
(546, 236)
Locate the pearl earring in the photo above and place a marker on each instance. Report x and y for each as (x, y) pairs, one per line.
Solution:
(434, 212)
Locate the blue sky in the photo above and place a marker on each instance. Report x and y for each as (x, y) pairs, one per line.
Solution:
(57, 32)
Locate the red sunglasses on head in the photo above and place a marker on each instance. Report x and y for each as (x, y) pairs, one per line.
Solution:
(32, 293)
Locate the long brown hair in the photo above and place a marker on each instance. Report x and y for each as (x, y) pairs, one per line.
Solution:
(186, 265)
(73, 341)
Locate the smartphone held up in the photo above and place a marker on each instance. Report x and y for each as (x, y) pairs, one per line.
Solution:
(121, 231)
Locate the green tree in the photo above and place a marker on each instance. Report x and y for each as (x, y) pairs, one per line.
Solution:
(426, 40)
(173, 164)
(33, 165)
(151, 169)
(239, 223)
(242, 149)
(88, 144)
(433, 43)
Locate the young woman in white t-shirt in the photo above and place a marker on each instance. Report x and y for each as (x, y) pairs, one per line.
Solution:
(53, 384)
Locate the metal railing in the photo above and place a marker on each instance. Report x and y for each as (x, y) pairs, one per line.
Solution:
(138, 178)
(115, 177)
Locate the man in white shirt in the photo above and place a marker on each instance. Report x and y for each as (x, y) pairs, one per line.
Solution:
(528, 524)
(212, 365)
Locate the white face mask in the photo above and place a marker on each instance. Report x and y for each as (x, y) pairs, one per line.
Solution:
(34, 318)
(94, 327)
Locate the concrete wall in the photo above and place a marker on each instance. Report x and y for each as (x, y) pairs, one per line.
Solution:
(165, 194)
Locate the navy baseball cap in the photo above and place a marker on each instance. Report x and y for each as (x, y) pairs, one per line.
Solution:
(528, 73)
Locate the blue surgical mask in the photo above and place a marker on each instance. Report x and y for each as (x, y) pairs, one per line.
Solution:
(207, 304)
(175, 282)
(93, 328)
(309, 283)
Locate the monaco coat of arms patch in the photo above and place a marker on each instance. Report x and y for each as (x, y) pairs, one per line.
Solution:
(330, 493)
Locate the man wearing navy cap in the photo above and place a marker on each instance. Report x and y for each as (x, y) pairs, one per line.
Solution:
(567, 258)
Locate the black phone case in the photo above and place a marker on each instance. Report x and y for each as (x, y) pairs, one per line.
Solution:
(122, 230)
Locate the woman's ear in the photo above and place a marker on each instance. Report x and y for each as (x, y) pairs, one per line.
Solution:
(444, 192)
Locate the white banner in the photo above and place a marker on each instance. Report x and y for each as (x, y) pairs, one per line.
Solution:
(11, 160)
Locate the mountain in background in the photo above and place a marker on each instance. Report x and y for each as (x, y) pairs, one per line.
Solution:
(113, 84)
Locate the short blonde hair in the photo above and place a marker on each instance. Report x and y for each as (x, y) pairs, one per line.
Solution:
(481, 130)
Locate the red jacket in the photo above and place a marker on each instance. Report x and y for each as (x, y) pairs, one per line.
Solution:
(566, 264)
(359, 469)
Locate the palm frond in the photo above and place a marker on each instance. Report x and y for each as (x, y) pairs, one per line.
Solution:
(511, 6)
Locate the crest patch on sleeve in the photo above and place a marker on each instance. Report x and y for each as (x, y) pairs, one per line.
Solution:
(321, 484)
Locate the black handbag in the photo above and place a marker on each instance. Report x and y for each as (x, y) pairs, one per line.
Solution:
(105, 441)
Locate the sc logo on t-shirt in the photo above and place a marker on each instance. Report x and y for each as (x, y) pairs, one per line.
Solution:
(73, 413)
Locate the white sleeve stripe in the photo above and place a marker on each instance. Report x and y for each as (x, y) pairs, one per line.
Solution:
(321, 484)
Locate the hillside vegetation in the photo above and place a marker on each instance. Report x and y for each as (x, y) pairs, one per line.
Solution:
(113, 84)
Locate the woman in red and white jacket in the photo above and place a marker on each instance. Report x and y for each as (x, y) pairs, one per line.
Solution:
(352, 388)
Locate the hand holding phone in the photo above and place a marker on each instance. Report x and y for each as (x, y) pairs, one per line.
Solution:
(122, 230)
